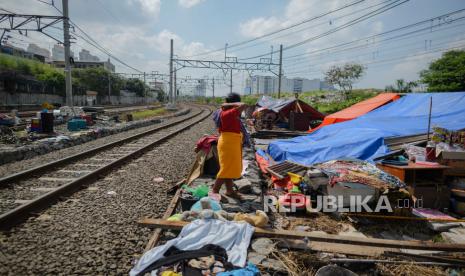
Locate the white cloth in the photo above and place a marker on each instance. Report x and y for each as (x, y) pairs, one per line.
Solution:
(234, 237)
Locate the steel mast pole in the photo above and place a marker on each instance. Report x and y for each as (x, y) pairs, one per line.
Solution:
(280, 75)
(67, 45)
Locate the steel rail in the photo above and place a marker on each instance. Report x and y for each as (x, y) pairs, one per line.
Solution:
(4, 181)
(20, 213)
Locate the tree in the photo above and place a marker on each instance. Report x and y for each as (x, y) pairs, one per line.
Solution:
(402, 86)
(344, 76)
(137, 86)
(446, 73)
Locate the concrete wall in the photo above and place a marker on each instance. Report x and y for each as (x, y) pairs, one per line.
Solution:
(22, 98)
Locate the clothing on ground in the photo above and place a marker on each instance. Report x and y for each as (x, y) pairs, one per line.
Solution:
(232, 236)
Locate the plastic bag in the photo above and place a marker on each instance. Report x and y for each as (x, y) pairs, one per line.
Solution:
(199, 191)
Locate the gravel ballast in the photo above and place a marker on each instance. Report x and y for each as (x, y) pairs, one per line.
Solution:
(10, 168)
(95, 230)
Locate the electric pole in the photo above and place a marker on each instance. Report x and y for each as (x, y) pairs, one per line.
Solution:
(109, 87)
(230, 83)
(171, 72)
(67, 45)
(280, 75)
(145, 91)
(213, 88)
(175, 87)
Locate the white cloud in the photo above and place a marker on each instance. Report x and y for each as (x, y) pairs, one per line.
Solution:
(189, 3)
(259, 26)
(151, 7)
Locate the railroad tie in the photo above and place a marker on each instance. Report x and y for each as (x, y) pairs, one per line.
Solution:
(42, 189)
(77, 171)
(55, 179)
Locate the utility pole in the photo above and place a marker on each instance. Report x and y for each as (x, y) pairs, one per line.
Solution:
(145, 91)
(175, 86)
(171, 72)
(213, 88)
(109, 87)
(230, 83)
(67, 45)
(280, 75)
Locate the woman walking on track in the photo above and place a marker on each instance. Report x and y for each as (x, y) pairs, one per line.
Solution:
(231, 130)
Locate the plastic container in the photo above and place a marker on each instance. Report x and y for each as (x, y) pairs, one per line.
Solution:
(295, 178)
(187, 203)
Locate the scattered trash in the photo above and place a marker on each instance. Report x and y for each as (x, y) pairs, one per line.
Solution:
(111, 193)
(158, 179)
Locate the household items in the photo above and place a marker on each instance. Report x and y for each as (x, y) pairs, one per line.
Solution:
(358, 171)
(282, 169)
(232, 236)
(208, 259)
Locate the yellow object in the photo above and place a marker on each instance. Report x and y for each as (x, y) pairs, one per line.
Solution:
(170, 273)
(260, 219)
(295, 178)
(230, 155)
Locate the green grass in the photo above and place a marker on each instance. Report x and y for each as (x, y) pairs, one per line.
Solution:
(26, 66)
(139, 115)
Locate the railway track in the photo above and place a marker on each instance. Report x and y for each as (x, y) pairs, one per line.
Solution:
(27, 192)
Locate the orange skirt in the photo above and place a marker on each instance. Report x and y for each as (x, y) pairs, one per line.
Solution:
(230, 155)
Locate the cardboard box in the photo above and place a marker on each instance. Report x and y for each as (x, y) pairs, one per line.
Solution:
(431, 196)
(453, 159)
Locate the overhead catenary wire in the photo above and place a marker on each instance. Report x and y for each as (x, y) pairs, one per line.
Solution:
(279, 30)
(344, 26)
(394, 38)
(94, 42)
(383, 33)
(309, 27)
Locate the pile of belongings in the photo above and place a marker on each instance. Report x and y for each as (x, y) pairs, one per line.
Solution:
(358, 171)
(204, 247)
(7, 135)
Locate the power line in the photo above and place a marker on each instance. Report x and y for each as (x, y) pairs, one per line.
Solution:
(394, 38)
(309, 27)
(398, 58)
(344, 26)
(280, 30)
(387, 32)
(94, 42)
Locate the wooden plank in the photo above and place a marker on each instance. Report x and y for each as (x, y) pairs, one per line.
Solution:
(357, 250)
(320, 237)
(168, 213)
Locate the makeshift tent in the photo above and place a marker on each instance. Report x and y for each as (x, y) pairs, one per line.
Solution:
(284, 106)
(363, 137)
(358, 109)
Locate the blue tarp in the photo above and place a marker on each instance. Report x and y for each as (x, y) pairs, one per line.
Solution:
(363, 137)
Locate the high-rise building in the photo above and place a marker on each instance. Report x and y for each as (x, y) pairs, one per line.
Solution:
(58, 53)
(200, 89)
(84, 55)
(269, 84)
(33, 48)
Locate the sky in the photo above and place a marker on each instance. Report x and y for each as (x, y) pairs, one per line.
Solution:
(138, 32)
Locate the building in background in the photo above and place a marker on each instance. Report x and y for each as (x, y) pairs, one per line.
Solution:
(87, 64)
(157, 86)
(84, 55)
(200, 89)
(269, 84)
(20, 52)
(34, 49)
(58, 53)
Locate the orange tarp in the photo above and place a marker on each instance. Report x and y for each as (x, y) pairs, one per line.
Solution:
(358, 109)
